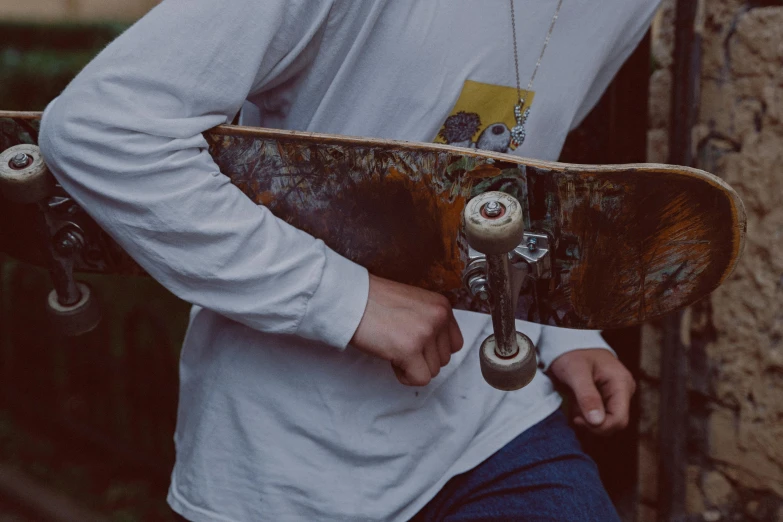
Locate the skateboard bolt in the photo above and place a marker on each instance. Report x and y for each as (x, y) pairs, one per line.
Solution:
(478, 287)
(532, 244)
(68, 243)
(493, 209)
(20, 161)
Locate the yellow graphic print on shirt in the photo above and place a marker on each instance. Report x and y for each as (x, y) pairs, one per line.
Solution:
(483, 117)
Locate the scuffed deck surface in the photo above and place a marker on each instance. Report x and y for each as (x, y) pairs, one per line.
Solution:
(630, 243)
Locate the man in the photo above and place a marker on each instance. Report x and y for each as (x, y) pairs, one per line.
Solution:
(311, 390)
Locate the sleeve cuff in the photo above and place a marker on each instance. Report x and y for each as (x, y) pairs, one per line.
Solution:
(556, 341)
(337, 306)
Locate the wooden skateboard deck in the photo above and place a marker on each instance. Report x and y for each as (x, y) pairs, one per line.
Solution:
(628, 243)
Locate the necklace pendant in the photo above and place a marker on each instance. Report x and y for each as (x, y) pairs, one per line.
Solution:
(518, 133)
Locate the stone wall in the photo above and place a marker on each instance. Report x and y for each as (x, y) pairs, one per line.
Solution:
(74, 10)
(735, 435)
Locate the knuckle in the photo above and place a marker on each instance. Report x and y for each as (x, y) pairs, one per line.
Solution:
(444, 302)
(424, 333)
(400, 362)
(429, 332)
(408, 353)
(408, 358)
(440, 315)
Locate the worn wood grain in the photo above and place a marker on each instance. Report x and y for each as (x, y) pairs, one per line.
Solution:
(630, 242)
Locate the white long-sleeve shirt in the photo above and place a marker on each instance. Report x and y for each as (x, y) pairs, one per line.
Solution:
(279, 419)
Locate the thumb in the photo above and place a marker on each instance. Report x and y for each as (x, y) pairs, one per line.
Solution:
(589, 400)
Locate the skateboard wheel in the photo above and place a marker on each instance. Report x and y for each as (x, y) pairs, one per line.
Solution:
(508, 374)
(24, 177)
(493, 223)
(77, 319)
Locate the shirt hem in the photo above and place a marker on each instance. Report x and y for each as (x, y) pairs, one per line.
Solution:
(486, 446)
(185, 509)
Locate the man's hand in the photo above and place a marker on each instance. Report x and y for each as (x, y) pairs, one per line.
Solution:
(412, 328)
(601, 385)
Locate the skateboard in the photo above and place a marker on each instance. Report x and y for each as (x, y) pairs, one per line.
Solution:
(577, 246)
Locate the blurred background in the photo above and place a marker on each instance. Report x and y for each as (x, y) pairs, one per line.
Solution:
(86, 423)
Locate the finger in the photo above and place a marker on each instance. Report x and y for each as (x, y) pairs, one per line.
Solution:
(400, 375)
(444, 347)
(589, 400)
(455, 335)
(432, 356)
(617, 393)
(415, 371)
(595, 430)
(602, 429)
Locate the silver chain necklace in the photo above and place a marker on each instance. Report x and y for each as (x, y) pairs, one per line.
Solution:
(518, 133)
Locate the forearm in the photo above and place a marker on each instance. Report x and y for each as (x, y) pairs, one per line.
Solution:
(125, 140)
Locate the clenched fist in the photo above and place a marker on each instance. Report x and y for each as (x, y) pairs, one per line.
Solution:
(413, 329)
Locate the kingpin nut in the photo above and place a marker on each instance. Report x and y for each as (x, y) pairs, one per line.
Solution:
(20, 161)
(493, 209)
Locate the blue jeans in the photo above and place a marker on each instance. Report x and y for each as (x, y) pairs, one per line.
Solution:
(541, 475)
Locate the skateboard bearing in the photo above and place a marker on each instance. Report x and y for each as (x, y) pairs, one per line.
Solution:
(24, 177)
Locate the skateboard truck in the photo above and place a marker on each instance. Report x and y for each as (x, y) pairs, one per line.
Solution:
(495, 228)
(532, 254)
(25, 179)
